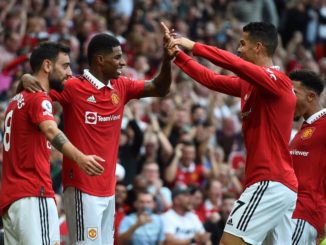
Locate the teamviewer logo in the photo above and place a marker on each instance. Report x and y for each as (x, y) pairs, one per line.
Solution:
(90, 117)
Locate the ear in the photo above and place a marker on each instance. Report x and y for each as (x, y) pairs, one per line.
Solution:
(311, 96)
(100, 59)
(47, 65)
(259, 47)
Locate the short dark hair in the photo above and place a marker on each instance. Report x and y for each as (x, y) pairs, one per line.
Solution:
(265, 33)
(101, 43)
(308, 79)
(46, 50)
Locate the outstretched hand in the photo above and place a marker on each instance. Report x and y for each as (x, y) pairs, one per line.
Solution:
(174, 40)
(169, 49)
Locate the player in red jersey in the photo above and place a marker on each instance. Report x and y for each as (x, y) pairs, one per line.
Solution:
(308, 153)
(27, 199)
(267, 105)
(93, 108)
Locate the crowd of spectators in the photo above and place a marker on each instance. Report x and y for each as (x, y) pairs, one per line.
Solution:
(191, 137)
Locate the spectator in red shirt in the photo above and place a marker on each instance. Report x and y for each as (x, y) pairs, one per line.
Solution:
(183, 169)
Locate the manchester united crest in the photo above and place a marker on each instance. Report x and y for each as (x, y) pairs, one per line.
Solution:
(307, 133)
(115, 98)
(92, 233)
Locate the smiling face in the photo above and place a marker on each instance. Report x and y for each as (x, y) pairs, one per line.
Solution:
(113, 63)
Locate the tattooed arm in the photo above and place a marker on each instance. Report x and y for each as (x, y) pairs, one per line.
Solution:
(88, 163)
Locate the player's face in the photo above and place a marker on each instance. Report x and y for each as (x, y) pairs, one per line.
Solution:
(60, 72)
(113, 63)
(246, 48)
(301, 93)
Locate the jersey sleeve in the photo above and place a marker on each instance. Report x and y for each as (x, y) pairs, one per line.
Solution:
(41, 108)
(230, 85)
(264, 77)
(134, 88)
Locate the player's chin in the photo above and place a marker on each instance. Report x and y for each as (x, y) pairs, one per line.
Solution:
(118, 74)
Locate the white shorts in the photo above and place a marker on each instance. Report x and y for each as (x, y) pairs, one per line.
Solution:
(90, 218)
(32, 220)
(261, 208)
(303, 233)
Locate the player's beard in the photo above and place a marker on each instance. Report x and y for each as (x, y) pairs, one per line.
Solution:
(56, 83)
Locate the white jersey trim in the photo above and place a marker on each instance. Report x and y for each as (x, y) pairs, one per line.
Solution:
(313, 118)
(94, 81)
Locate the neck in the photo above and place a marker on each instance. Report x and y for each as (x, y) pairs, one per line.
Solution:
(312, 110)
(99, 75)
(264, 61)
(179, 211)
(43, 80)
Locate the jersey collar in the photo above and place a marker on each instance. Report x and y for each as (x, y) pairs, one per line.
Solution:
(94, 81)
(278, 68)
(189, 169)
(313, 118)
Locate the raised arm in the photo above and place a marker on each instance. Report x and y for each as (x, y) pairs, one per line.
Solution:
(262, 77)
(230, 85)
(224, 84)
(160, 85)
(90, 164)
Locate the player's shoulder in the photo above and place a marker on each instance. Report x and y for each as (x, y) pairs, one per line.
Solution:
(122, 80)
(74, 81)
(29, 96)
(276, 70)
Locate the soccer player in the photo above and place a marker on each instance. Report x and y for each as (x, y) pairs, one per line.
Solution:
(93, 108)
(267, 106)
(308, 154)
(27, 199)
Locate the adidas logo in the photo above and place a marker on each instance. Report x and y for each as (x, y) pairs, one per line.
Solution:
(91, 99)
(230, 222)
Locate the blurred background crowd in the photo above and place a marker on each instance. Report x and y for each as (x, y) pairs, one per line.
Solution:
(192, 136)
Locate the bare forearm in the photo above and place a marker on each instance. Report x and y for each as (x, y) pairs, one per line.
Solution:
(171, 170)
(167, 149)
(160, 85)
(125, 237)
(59, 141)
(175, 241)
(163, 80)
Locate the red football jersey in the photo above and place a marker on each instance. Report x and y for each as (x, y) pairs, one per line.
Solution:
(308, 150)
(92, 115)
(267, 106)
(193, 175)
(26, 152)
